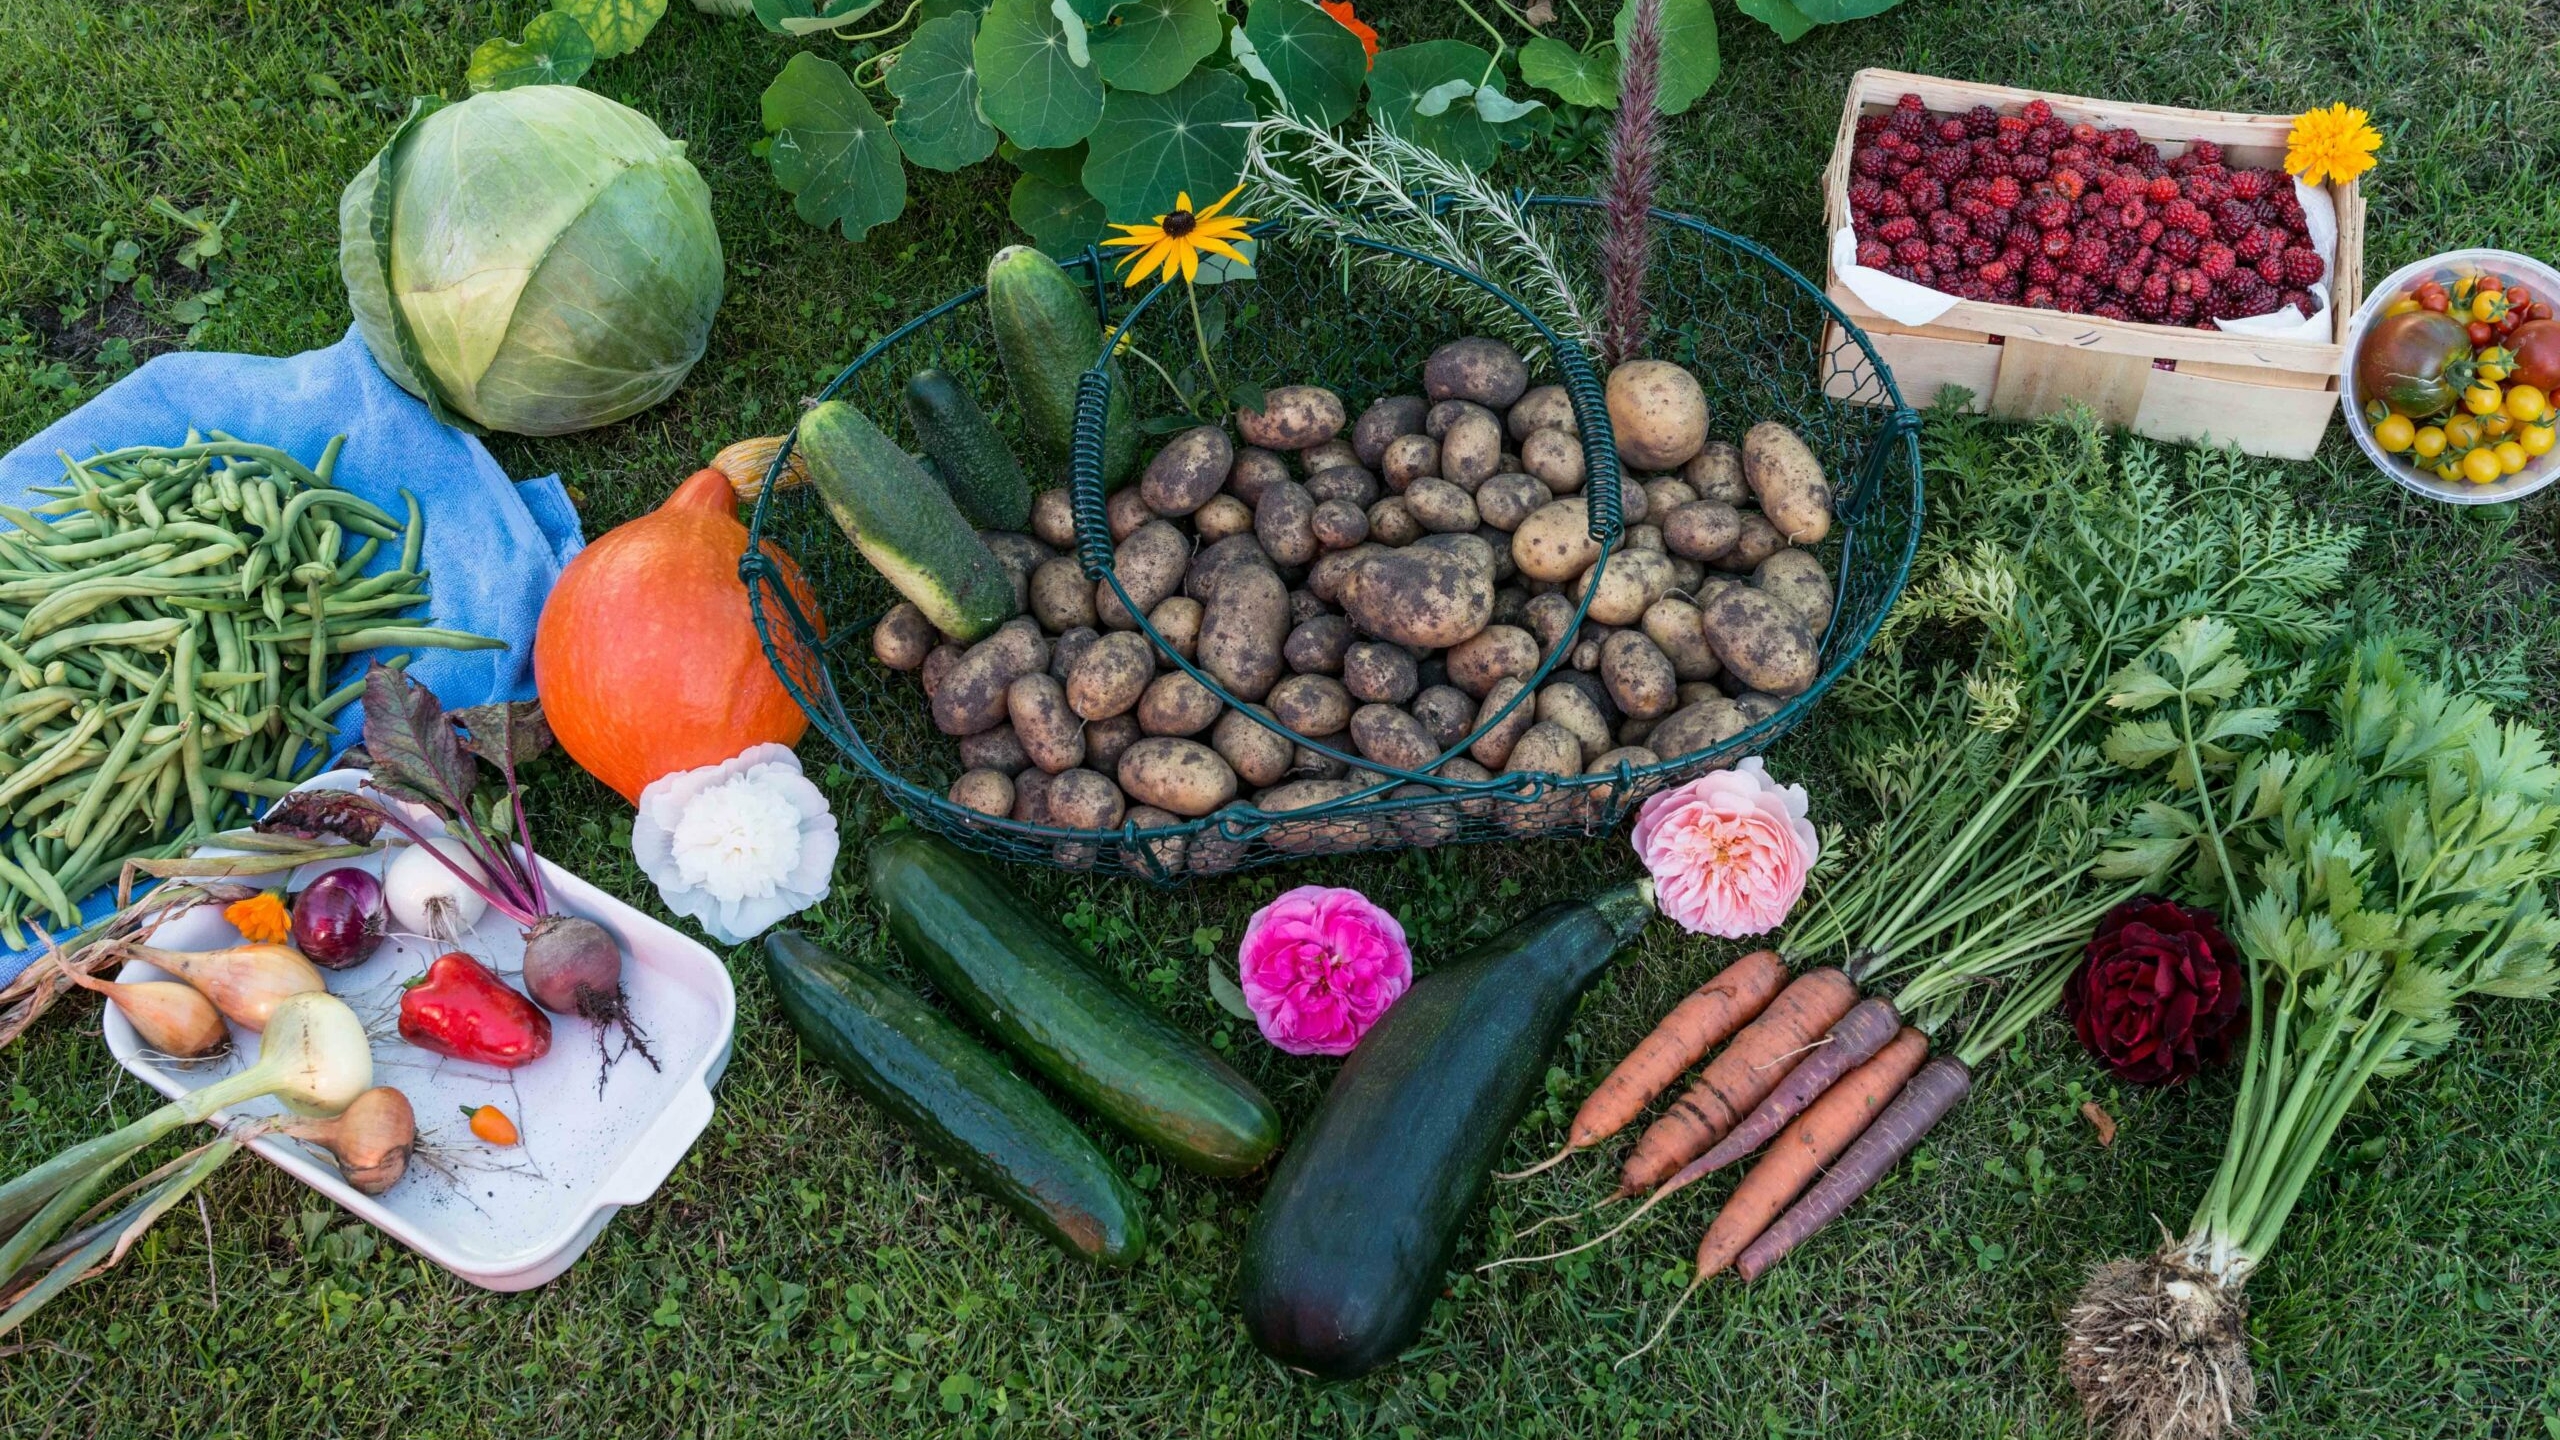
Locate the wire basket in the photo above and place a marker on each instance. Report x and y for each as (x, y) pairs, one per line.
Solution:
(1746, 324)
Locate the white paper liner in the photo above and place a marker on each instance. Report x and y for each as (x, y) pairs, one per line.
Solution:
(1906, 302)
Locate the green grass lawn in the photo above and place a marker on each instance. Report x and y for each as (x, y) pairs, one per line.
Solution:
(803, 1273)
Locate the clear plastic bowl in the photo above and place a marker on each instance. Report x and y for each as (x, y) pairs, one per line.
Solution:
(2505, 264)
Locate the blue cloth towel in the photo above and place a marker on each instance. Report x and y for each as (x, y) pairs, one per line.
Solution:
(494, 546)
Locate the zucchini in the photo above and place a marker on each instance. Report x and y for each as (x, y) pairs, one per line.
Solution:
(959, 1103)
(1047, 335)
(1363, 1214)
(905, 524)
(970, 457)
(1023, 981)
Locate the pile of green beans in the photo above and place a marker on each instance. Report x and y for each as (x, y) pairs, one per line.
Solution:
(172, 614)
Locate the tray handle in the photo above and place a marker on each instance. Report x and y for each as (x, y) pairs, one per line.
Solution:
(653, 1157)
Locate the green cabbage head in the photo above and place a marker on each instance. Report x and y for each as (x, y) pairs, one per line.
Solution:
(537, 260)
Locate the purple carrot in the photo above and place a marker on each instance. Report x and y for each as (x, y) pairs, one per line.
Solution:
(1851, 1042)
(1922, 1104)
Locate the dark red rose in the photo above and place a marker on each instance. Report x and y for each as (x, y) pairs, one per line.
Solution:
(2162, 994)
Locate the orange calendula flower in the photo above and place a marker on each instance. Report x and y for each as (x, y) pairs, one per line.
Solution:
(1341, 10)
(2333, 144)
(260, 919)
(1172, 244)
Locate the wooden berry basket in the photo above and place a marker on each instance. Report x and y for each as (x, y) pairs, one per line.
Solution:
(2268, 397)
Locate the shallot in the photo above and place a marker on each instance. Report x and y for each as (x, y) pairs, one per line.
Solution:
(245, 982)
(171, 1018)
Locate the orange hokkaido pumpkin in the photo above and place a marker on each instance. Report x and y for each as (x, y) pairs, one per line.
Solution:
(646, 656)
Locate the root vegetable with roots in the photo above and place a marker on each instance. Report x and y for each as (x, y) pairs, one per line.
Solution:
(2394, 868)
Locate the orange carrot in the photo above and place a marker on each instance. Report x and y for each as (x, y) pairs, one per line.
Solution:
(1811, 1141)
(1740, 1078)
(1695, 1026)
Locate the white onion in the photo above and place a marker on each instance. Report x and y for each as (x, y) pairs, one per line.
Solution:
(425, 898)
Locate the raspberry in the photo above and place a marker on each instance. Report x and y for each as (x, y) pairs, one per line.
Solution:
(2041, 140)
(1978, 253)
(1900, 271)
(2005, 192)
(1912, 251)
(1874, 254)
(2303, 268)
(2075, 154)
(2249, 184)
(2057, 243)
(1994, 273)
(1981, 214)
(2023, 237)
(2181, 246)
(2039, 296)
(1948, 162)
(1865, 194)
(2126, 280)
(2084, 133)
(1908, 103)
(2068, 182)
(2235, 218)
(1869, 125)
(2182, 310)
(2151, 232)
(2217, 261)
(2289, 211)
(2188, 216)
(2121, 191)
(1868, 163)
(2134, 215)
(2120, 145)
(1898, 229)
(1894, 204)
(1944, 256)
(1951, 131)
(2161, 190)
(2071, 285)
(2050, 213)
(2036, 112)
(2300, 300)
(1992, 166)
(2088, 255)
(2270, 268)
(1908, 123)
(2252, 247)
(2041, 271)
(2030, 166)
(1948, 228)
(1982, 120)
(2110, 310)
(2205, 152)
(2190, 284)
(2151, 302)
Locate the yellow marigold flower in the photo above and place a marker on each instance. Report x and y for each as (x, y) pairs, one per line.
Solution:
(1172, 244)
(2332, 144)
(261, 918)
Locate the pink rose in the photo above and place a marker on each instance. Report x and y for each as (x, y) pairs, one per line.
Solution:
(1728, 851)
(1318, 967)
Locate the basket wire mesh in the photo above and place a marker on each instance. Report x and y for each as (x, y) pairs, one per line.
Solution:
(1751, 328)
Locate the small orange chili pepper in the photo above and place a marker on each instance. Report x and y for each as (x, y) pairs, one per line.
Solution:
(491, 1124)
(261, 919)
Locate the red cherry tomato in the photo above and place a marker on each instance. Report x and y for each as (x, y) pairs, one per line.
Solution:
(461, 1009)
(2490, 283)
(2482, 333)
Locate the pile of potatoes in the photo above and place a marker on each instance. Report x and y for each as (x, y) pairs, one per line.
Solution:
(1384, 590)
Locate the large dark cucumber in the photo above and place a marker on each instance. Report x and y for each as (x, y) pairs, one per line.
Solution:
(982, 475)
(1047, 334)
(957, 1101)
(1363, 1214)
(1021, 979)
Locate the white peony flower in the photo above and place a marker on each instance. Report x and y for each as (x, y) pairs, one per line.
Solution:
(738, 845)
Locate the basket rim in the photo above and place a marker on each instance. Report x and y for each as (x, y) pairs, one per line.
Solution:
(1897, 436)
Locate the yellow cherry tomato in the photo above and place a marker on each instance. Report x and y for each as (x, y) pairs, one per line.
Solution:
(2449, 471)
(2461, 432)
(2526, 403)
(2401, 306)
(2511, 457)
(2481, 467)
(2537, 439)
(2395, 434)
(2483, 399)
(2495, 427)
(2491, 371)
(2429, 442)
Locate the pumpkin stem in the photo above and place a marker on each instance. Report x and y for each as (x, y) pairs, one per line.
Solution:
(704, 490)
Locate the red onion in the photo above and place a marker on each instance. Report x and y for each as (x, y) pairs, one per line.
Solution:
(339, 919)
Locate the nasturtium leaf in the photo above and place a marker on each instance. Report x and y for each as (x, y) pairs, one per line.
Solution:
(1218, 269)
(1058, 167)
(1091, 12)
(928, 11)
(1438, 99)
(936, 82)
(1404, 75)
(1149, 149)
(1150, 45)
(1028, 86)
(1834, 12)
(1690, 59)
(1577, 77)
(1783, 16)
(1500, 109)
(796, 17)
(616, 26)
(1311, 59)
(831, 150)
(555, 51)
(1078, 31)
(1061, 219)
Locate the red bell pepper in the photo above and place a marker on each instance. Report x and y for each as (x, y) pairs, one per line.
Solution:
(461, 1009)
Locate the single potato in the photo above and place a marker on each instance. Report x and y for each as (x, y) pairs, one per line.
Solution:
(1782, 470)
(1658, 413)
(1182, 776)
(1292, 417)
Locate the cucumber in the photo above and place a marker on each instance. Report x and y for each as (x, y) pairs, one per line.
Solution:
(1362, 1216)
(959, 1103)
(1048, 334)
(905, 524)
(972, 459)
(1024, 982)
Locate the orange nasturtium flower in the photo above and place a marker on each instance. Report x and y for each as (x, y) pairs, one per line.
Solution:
(260, 919)
(1341, 10)
(1174, 241)
(2332, 144)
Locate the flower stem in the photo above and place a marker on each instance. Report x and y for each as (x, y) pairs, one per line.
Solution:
(1199, 332)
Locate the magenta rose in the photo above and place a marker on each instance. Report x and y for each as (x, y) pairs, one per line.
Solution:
(2162, 993)
(1318, 967)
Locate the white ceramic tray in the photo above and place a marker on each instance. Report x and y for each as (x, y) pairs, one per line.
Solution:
(506, 1219)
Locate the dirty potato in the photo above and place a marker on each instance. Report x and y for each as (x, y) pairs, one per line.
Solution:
(1555, 458)
(1493, 747)
(1566, 704)
(1382, 422)
(1505, 500)
(1701, 529)
(1380, 673)
(1061, 598)
(1352, 483)
(1798, 579)
(1672, 624)
(1554, 542)
(1315, 645)
(1111, 674)
(1391, 522)
(1107, 739)
(1622, 590)
(1031, 797)
(1256, 469)
(1242, 629)
(1312, 705)
(1177, 619)
(1782, 470)
(998, 749)
(1440, 507)
(1763, 642)
(1084, 800)
(971, 696)
(1471, 450)
(1658, 413)
(1542, 407)
(1475, 368)
(1164, 853)
(1392, 738)
(1222, 516)
(1251, 749)
(1053, 518)
(1216, 562)
(1420, 595)
(1150, 564)
(1182, 776)
(1639, 675)
(1292, 417)
(1051, 734)
(989, 792)
(1446, 712)
(1409, 458)
(1715, 472)
(1188, 470)
(1284, 521)
(1339, 524)
(1493, 653)
(1702, 725)
(903, 637)
(1176, 704)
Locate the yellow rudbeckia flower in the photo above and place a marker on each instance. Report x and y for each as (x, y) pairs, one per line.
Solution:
(1172, 245)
